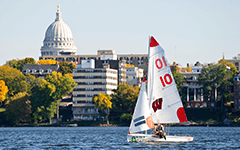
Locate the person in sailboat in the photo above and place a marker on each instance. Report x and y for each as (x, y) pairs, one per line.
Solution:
(159, 131)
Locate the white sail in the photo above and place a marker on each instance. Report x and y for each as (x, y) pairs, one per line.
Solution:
(165, 103)
(141, 120)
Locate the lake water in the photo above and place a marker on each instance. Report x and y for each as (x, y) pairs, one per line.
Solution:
(113, 138)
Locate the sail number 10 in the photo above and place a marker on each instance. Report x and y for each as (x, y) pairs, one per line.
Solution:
(167, 78)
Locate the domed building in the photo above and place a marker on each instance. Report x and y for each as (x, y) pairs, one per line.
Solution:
(58, 39)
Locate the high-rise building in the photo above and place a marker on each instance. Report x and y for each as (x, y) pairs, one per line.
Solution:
(91, 81)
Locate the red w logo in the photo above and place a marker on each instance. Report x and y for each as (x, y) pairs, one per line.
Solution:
(157, 104)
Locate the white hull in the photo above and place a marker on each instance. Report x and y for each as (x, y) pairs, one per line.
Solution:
(151, 138)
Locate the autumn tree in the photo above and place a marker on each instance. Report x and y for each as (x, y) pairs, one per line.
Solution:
(18, 64)
(3, 91)
(47, 62)
(66, 67)
(18, 110)
(14, 80)
(103, 103)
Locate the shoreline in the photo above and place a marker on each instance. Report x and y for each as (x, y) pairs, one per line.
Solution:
(116, 125)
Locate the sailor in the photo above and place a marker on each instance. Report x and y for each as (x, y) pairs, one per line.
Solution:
(159, 130)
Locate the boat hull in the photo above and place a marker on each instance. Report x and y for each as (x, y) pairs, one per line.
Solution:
(150, 138)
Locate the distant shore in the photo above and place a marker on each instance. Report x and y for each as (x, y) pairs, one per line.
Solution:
(88, 124)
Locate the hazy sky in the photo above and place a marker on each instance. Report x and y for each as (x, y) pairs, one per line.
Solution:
(188, 30)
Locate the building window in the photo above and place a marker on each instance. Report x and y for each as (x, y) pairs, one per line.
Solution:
(27, 71)
(33, 70)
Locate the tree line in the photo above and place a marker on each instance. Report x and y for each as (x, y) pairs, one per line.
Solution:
(29, 99)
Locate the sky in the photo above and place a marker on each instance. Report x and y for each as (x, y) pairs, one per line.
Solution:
(188, 30)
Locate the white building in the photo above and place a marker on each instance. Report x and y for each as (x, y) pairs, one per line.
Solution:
(134, 75)
(58, 39)
(91, 81)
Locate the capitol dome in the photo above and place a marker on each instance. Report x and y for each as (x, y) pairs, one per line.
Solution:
(58, 38)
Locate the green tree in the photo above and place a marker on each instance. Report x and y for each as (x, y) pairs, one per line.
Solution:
(63, 84)
(18, 64)
(66, 67)
(103, 103)
(217, 76)
(179, 79)
(124, 97)
(126, 118)
(42, 100)
(18, 110)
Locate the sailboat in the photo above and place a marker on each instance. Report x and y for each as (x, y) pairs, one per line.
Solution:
(160, 103)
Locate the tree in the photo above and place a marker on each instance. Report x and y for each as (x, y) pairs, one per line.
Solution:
(14, 80)
(103, 102)
(18, 109)
(46, 62)
(47, 95)
(124, 97)
(18, 64)
(63, 84)
(41, 101)
(3, 91)
(220, 77)
(66, 67)
(179, 79)
(126, 118)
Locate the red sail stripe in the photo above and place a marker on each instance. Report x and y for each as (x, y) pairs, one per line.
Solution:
(153, 42)
(181, 115)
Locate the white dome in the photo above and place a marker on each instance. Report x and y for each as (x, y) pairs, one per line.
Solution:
(58, 39)
(58, 31)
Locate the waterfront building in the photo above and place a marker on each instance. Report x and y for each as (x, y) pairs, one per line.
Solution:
(39, 71)
(91, 81)
(134, 75)
(192, 92)
(58, 40)
(236, 90)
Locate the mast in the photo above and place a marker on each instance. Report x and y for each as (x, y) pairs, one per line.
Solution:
(148, 74)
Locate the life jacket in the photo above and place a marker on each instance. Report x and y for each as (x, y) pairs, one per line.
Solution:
(159, 128)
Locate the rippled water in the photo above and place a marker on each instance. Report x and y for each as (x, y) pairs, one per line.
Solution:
(113, 138)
